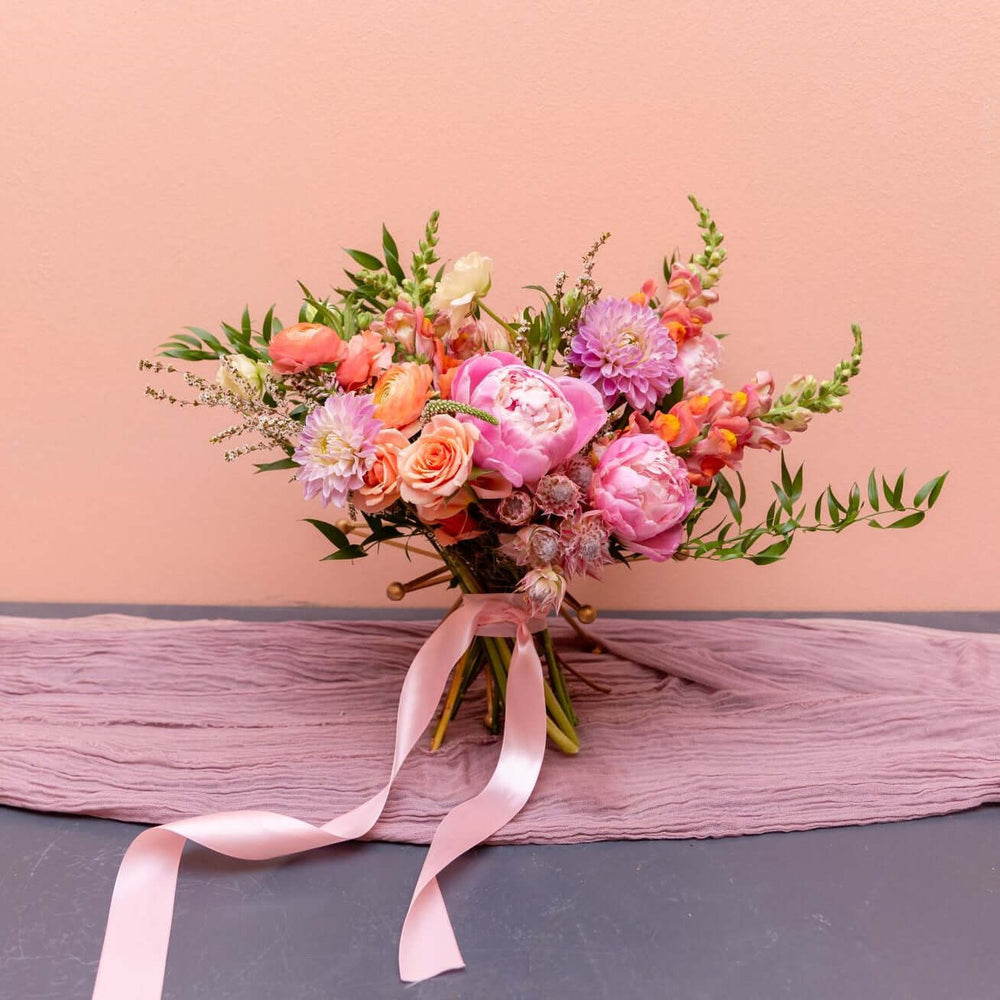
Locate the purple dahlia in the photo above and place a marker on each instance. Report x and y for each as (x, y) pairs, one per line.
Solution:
(337, 447)
(622, 349)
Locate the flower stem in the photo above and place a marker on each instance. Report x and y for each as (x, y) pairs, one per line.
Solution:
(557, 677)
(558, 725)
(448, 711)
(489, 312)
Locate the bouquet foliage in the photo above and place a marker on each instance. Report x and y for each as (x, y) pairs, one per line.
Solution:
(525, 450)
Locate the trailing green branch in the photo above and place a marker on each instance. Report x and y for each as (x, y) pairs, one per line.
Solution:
(767, 541)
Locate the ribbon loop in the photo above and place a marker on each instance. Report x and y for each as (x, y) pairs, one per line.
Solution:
(133, 958)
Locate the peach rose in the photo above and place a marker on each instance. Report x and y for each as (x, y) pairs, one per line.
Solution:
(305, 345)
(366, 358)
(400, 394)
(438, 463)
(380, 488)
(450, 519)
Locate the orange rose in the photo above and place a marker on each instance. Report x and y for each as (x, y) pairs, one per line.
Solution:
(366, 358)
(381, 485)
(438, 463)
(303, 346)
(400, 394)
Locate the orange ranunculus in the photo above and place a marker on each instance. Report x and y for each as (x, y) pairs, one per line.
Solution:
(445, 376)
(381, 481)
(303, 346)
(400, 394)
(438, 463)
(367, 357)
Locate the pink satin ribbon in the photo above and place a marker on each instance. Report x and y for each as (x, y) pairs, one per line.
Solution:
(133, 959)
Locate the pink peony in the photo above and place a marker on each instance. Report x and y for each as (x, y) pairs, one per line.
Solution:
(543, 419)
(367, 357)
(303, 346)
(642, 489)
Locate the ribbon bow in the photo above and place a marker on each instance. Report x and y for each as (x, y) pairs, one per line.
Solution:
(134, 955)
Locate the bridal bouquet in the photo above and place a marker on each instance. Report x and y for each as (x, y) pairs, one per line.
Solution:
(522, 451)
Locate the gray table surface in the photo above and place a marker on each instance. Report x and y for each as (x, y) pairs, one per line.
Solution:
(903, 910)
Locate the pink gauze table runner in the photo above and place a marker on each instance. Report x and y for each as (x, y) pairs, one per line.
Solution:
(711, 729)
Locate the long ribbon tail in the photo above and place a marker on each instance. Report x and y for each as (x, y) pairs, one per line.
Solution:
(133, 958)
(427, 944)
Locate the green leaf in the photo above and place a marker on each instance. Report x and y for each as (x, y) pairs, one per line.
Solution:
(783, 498)
(909, 521)
(210, 339)
(894, 501)
(854, 502)
(833, 505)
(797, 484)
(936, 492)
(786, 478)
(331, 533)
(932, 486)
(873, 491)
(772, 553)
(389, 244)
(897, 490)
(368, 261)
(393, 267)
(818, 509)
(543, 290)
(268, 326)
(245, 324)
(187, 354)
(186, 338)
(351, 552)
(727, 491)
(282, 463)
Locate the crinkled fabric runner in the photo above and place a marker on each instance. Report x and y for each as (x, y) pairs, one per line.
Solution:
(712, 728)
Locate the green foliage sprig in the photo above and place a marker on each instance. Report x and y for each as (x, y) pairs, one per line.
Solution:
(767, 541)
(200, 345)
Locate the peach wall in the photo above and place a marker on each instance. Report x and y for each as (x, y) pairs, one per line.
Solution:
(163, 163)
